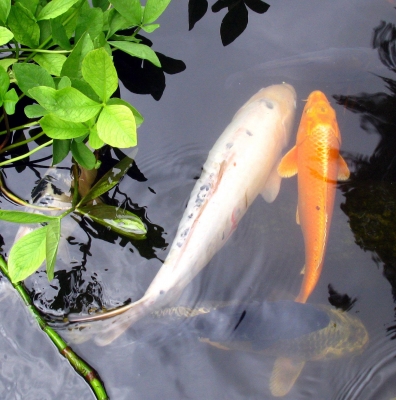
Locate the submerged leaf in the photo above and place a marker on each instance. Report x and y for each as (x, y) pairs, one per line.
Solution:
(27, 254)
(119, 220)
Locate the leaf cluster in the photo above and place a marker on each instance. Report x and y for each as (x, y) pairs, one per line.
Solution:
(234, 22)
(59, 54)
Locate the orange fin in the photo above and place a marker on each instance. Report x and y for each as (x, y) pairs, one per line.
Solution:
(343, 170)
(214, 344)
(288, 165)
(284, 375)
(272, 186)
(297, 217)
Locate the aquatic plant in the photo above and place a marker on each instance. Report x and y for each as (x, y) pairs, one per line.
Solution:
(58, 65)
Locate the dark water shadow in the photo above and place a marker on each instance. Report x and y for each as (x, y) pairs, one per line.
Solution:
(370, 193)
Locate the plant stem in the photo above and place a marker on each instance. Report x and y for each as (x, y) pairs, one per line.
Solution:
(10, 161)
(24, 126)
(21, 143)
(80, 366)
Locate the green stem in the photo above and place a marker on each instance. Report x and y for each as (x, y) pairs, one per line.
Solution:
(80, 366)
(38, 51)
(24, 126)
(21, 143)
(29, 153)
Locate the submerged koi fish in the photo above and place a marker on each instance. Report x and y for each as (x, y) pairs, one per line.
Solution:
(241, 165)
(319, 165)
(293, 332)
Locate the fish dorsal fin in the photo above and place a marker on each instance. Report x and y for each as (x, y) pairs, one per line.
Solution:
(297, 217)
(284, 375)
(272, 186)
(343, 170)
(288, 165)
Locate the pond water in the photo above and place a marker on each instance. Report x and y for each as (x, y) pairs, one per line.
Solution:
(325, 46)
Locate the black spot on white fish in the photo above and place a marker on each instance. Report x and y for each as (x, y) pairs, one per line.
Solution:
(268, 103)
(229, 145)
(185, 233)
(162, 292)
(204, 187)
(249, 133)
(190, 215)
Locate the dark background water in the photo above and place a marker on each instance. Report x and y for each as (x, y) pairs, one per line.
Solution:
(325, 46)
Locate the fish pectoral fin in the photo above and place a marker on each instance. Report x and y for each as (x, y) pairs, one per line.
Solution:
(297, 217)
(284, 375)
(214, 344)
(303, 270)
(288, 165)
(272, 186)
(343, 170)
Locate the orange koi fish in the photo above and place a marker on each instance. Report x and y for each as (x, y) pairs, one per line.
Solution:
(319, 165)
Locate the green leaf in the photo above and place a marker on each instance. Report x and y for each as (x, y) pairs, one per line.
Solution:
(64, 82)
(150, 28)
(68, 103)
(57, 128)
(115, 21)
(10, 100)
(83, 87)
(72, 66)
(109, 179)
(22, 217)
(131, 10)
(5, 7)
(83, 155)
(53, 63)
(60, 149)
(119, 220)
(4, 84)
(103, 4)
(116, 126)
(59, 35)
(29, 76)
(137, 50)
(52, 243)
(55, 8)
(99, 71)
(94, 141)
(138, 117)
(35, 111)
(90, 21)
(31, 5)
(27, 255)
(153, 9)
(24, 26)
(5, 35)
(6, 62)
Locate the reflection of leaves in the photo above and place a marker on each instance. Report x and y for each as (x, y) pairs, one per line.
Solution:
(384, 40)
(234, 22)
(143, 77)
(342, 301)
(370, 193)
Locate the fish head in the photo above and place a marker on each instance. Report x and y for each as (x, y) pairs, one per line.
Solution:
(319, 114)
(281, 97)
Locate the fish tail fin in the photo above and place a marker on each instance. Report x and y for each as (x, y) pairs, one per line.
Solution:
(284, 375)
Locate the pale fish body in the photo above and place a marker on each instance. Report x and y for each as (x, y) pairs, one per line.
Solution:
(241, 164)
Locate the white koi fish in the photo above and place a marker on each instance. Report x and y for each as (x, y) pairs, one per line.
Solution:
(241, 165)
